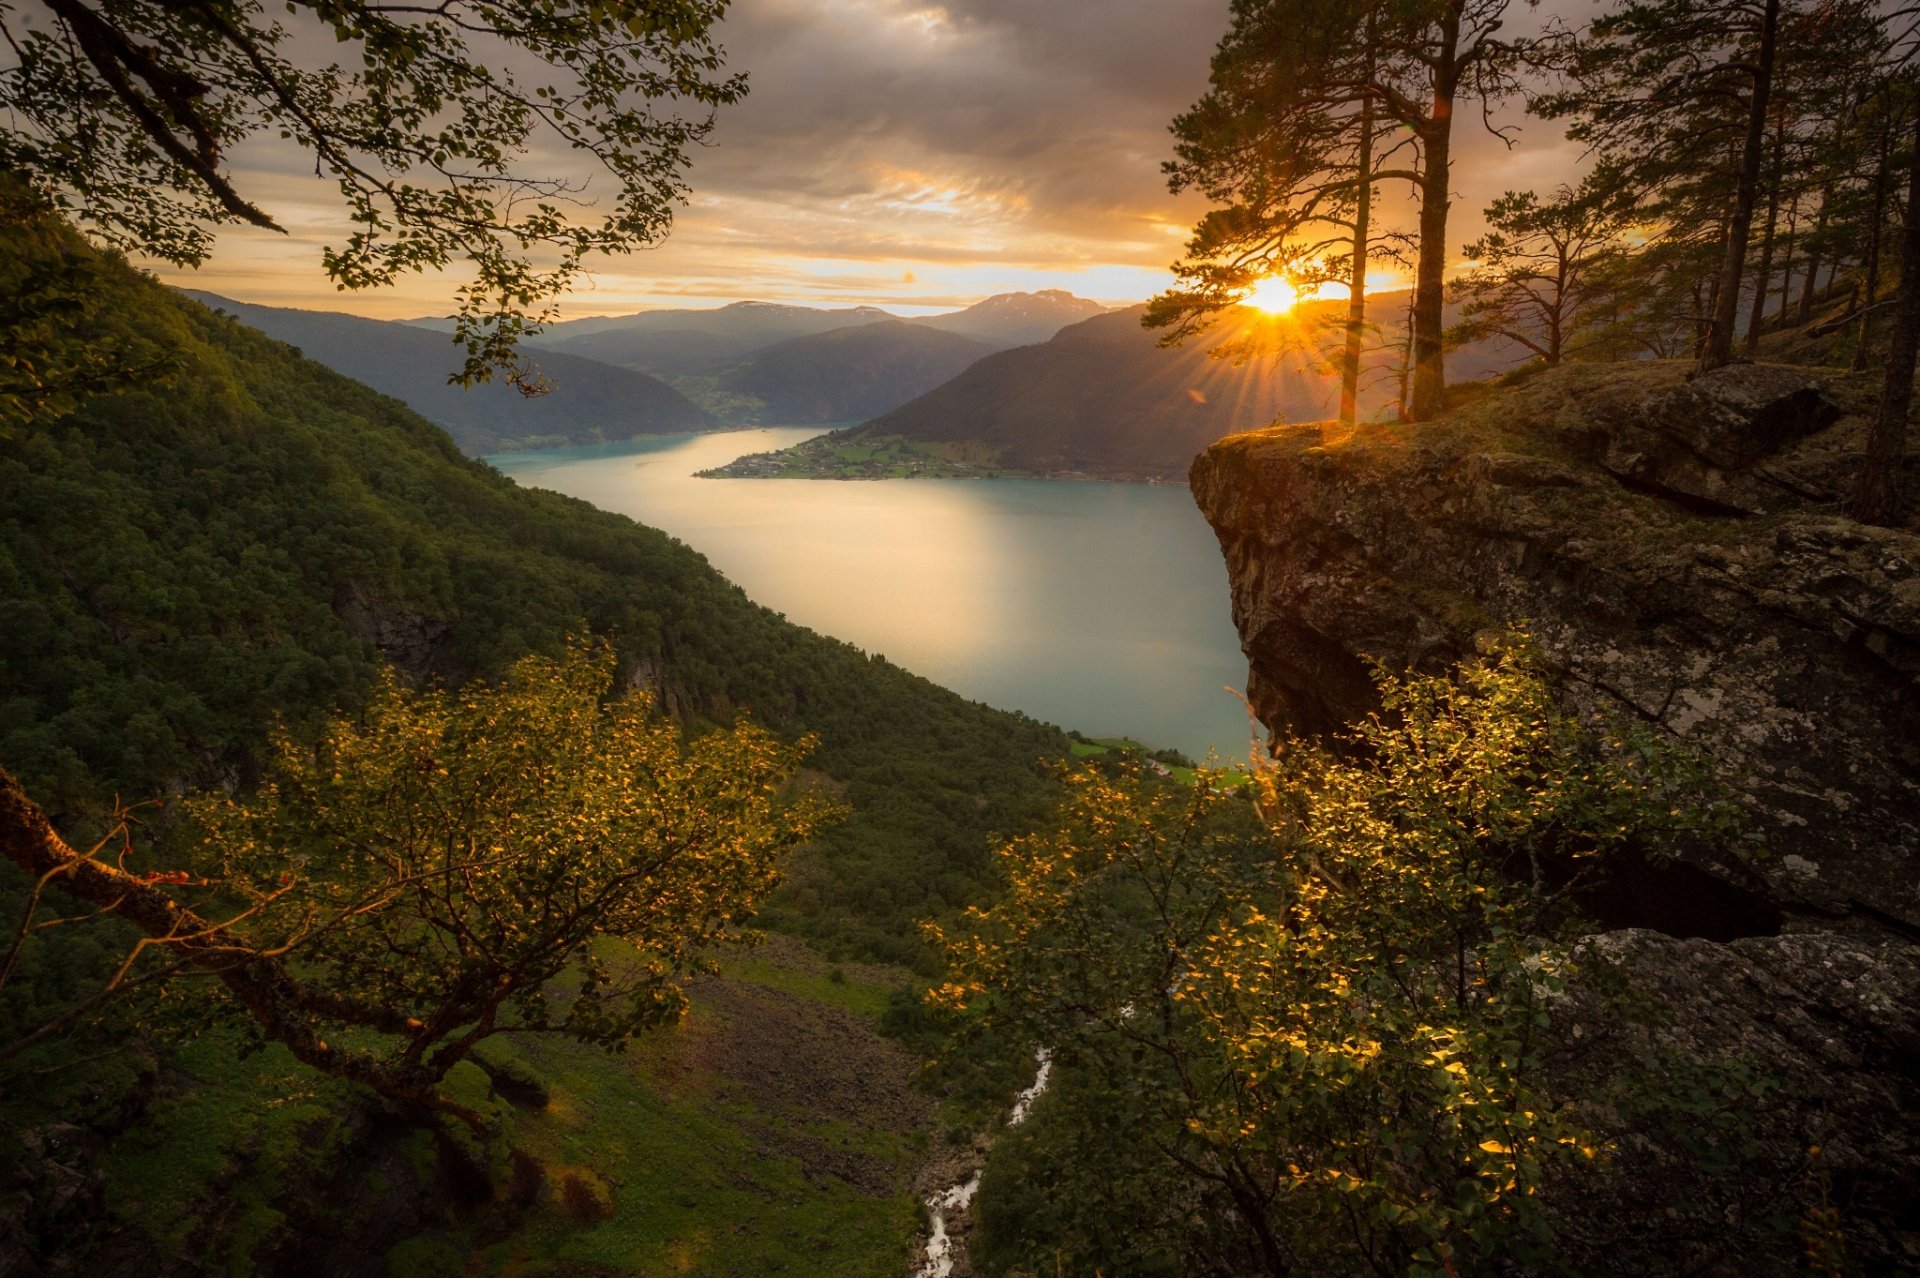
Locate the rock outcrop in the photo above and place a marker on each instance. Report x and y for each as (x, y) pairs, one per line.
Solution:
(1763, 1098)
(1676, 547)
(1673, 547)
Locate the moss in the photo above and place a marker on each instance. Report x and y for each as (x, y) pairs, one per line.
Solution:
(425, 1258)
(256, 1226)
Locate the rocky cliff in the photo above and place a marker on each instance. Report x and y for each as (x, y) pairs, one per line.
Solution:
(1677, 549)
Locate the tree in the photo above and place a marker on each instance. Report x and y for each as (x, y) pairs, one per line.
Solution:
(1539, 269)
(1878, 497)
(1319, 1030)
(1444, 50)
(125, 115)
(1285, 141)
(1689, 98)
(437, 872)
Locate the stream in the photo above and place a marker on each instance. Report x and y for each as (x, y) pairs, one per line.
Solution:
(957, 1199)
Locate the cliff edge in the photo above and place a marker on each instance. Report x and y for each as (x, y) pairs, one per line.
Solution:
(1677, 548)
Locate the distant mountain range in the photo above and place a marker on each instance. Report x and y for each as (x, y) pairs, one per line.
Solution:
(590, 401)
(767, 362)
(682, 343)
(1104, 398)
(847, 374)
(1015, 319)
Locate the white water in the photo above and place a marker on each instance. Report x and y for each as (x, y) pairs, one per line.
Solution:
(939, 1262)
(1024, 1101)
(940, 1257)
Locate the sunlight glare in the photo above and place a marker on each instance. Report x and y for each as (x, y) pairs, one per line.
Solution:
(1273, 295)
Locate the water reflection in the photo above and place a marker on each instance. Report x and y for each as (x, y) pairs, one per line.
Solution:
(1101, 607)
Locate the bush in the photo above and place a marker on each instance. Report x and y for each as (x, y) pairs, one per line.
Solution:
(1305, 1034)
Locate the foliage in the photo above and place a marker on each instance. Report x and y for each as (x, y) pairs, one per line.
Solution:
(1307, 1029)
(125, 115)
(1539, 270)
(48, 292)
(447, 856)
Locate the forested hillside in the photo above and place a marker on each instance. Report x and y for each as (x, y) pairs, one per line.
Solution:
(185, 565)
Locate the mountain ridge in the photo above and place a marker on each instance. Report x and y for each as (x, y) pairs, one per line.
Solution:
(589, 401)
(848, 374)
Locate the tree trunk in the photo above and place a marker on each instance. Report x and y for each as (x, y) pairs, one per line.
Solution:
(1786, 264)
(1717, 351)
(1763, 276)
(1813, 258)
(1430, 278)
(288, 1011)
(1557, 313)
(1357, 275)
(1406, 365)
(1878, 498)
(1878, 224)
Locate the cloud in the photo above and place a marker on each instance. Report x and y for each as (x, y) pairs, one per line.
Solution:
(892, 151)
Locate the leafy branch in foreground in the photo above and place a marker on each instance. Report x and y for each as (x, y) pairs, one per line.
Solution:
(1306, 1034)
(514, 857)
(127, 113)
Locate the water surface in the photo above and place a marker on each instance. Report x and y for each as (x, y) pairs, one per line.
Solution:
(1097, 606)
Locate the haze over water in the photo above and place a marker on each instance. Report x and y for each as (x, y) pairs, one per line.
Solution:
(1097, 606)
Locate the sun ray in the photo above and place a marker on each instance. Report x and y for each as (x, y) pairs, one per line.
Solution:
(1273, 295)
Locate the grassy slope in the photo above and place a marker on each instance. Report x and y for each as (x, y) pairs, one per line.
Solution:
(699, 1157)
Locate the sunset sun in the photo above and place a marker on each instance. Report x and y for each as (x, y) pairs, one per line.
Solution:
(1273, 295)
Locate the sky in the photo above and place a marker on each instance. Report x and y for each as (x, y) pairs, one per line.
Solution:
(901, 154)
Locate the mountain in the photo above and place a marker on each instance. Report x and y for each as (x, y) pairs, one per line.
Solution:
(848, 374)
(1016, 319)
(1102, 398)
(673, 343)
(736, 361)
(590, 401)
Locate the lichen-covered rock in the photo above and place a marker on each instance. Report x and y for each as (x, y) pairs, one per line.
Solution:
(1698, 442)
(1773, 1077)
(1786, 646)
